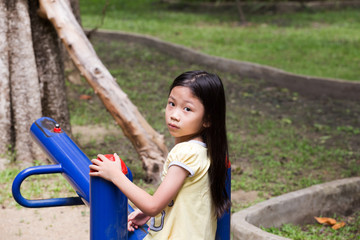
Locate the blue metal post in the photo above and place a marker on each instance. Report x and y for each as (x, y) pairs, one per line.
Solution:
(223, 223)
(108, 209)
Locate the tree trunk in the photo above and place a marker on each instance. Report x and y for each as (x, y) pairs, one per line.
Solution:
(72, 73)
(148, 143)
(48, 61)
(5, 116)
(74, 4)
(24, 84)
(30, 85)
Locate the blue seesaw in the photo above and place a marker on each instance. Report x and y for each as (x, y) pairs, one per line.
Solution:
(109, 207)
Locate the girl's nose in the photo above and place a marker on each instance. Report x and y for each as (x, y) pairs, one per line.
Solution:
(175, 116)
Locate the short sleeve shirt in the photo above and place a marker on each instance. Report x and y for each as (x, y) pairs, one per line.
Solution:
(191, 213)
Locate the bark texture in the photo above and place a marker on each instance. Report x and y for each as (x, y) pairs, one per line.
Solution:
(49, 63)
(148, 143)
(5, 116)
(24, 84)
(31, 78)
(72, 73)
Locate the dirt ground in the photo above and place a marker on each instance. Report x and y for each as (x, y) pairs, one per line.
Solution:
(58, 223)
(61, 223)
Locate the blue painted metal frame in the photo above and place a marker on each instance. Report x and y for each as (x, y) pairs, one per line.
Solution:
(109, 208)
(223, 223)
(108, 205)
(53, 202)
(62, 150)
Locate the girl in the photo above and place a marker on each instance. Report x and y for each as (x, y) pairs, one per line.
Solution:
(192, 194)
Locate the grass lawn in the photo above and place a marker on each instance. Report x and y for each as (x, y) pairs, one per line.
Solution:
(351, 230)
(323, 43)
(280, 141)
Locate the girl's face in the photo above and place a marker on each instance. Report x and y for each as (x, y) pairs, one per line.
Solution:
(184, 115)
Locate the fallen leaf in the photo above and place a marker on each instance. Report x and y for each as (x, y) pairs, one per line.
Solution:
(85, 97)
(338, 225)
(324, 220)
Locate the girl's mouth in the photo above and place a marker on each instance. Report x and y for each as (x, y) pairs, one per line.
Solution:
(173, 126)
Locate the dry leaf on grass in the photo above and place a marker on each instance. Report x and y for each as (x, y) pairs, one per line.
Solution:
(324, 220)
(338, 225)
(330, 221)
(84, 97)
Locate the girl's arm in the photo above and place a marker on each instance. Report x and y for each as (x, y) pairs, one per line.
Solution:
(151, 205)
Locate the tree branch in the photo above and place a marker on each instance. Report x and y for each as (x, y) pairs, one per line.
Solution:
(147, 142)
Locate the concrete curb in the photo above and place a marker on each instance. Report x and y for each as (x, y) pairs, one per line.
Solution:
(306, 85)
(299, 207)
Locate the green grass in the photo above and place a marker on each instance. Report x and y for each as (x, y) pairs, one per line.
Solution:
(277, 144)
(279, 140)
(324, 43)
(34, 187)
(321, 232)
(6, 178)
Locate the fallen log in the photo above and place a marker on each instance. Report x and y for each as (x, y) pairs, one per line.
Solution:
(148, 143)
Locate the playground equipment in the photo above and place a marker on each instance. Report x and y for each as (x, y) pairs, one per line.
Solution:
(109, 207)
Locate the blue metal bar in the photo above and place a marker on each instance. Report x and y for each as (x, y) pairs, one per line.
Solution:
(62, 150)
(53, 202)
(223, 223)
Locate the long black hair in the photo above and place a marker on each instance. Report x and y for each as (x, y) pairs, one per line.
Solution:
(209, 89)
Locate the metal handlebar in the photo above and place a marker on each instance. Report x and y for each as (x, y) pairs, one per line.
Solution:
(52, 202)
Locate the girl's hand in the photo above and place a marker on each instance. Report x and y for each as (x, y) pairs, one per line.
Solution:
(135, 219)
(106, 169)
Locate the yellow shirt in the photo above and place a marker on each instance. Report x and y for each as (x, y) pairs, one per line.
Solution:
(191, 214)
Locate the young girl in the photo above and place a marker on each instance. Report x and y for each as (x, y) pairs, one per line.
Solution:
(192, 194)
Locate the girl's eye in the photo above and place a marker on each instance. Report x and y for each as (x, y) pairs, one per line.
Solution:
(187, 109)
(171, 104)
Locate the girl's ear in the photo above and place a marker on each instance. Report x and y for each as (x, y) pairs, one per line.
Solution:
(206, 124)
